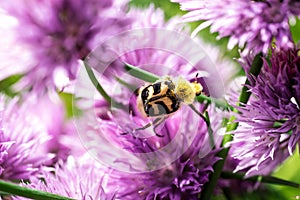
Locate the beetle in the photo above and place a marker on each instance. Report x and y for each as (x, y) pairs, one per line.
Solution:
(164, 97)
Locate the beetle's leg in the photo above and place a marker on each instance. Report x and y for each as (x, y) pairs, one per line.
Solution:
(138, 129)
(144, 127)
(209, 129)
(196, 111)
(155, 123)
(159, 122)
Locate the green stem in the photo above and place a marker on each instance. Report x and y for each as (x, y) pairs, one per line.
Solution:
(244, 97)
(99, 88)
(210, 131)
(219, 103)
(13, 189)
(262, 179)
(227, 193)
(95, 82)
(254, 70)
(140, 73)
(127, 85)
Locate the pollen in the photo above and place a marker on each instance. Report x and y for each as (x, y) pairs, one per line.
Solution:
(198, 88)
(185, 90)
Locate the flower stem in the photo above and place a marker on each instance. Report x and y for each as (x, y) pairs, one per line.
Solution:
(254, 70)
(220, 103)
(95, 82)
(210, 131)
(127, 85)
(244, 97)
(140, 73)
(99, 88)
(262, 179)
(13, 189)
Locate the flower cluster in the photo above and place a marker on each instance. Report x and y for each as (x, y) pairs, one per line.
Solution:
(29, 138)
(56, 34)
(87, 179)
(271, 116)
(175, 166)
(252, 25)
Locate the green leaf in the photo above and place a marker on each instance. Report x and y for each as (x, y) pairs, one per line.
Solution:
(219, 103)
(100, 89)
(5, 84)
(71, 109)
(288, 170)
(95, 82)
(262, 179)
(13, 189)
(140, 73)
(295, 30)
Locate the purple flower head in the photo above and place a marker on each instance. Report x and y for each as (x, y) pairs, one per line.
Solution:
(28, 137)
(251, 25)
(269, 124)
(169, 172)
(294, 7)
(79, 178)
(184, 179)
(150, 45)
(138, 51)
(145, 166)
(56, 34)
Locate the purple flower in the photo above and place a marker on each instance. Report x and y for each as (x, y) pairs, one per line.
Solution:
(251, 25)
(184, 179)
(269, 124)
(175, 166)
(149, 46)
(145, 166)
(28, 137)
(150, 20)
(56, 34)
(294, 7)
(80, 178)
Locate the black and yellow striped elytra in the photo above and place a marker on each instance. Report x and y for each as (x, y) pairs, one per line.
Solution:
(161, 99)
(158, 99)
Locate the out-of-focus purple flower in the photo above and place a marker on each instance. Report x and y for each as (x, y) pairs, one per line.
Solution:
(28, 136)
(269, 124)
(150, 18)
(78, 178)
(251, 25)
(161, 47)
(153, 18)
(56, 34)
(294, 7)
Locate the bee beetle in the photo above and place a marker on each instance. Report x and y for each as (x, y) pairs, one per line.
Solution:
(164, 97)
